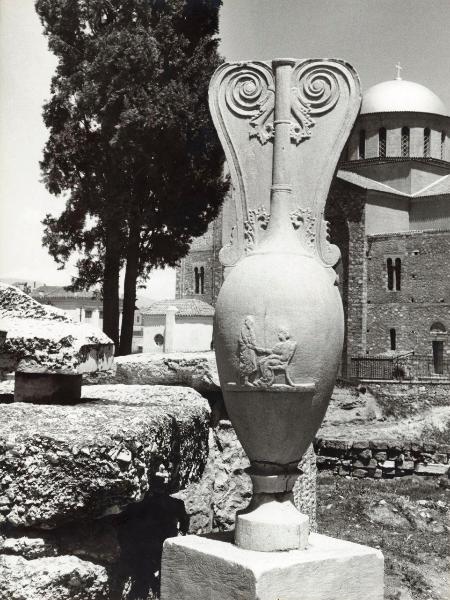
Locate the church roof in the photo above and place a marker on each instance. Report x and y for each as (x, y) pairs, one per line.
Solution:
(367, 183)
(187, 307)
(398, 95)
(437, 188)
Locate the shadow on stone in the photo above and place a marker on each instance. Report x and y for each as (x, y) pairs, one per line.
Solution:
(141, 531)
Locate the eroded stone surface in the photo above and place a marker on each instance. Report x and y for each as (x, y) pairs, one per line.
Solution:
(64, 463)
(96, 540)
(62, 578)
(42, 339)
(197, 370)
(225, 487)
(213, 567)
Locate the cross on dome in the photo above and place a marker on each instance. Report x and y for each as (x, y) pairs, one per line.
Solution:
(399, 68)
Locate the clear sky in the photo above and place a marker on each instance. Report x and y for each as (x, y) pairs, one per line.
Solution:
(373, 35)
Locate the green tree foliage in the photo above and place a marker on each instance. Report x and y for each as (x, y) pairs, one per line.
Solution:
(131, 147)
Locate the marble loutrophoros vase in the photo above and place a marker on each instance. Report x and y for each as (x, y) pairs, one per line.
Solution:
(279, 326)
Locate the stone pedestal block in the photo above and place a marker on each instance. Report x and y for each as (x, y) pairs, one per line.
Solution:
(213, 568)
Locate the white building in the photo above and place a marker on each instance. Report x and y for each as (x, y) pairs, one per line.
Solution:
(192, 330)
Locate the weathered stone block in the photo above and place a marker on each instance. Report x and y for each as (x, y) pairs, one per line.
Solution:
(43, 339)
(60, 578)
(440, 458)
(408, 465)
(379, 445)
(388, 465)
(359, 445)
(90, 540)
(64, 463)
(360, 473)
(212, 567)
(380, 456)
(333, 447)
(197, 370)
(432, 469)
(365, 455)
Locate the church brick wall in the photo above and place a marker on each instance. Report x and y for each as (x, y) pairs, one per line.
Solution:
(424, 295)
(345, 211)
(204, 253)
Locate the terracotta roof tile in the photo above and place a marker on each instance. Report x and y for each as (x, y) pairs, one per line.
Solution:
(187, 307)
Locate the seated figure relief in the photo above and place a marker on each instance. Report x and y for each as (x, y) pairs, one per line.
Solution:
(257, 365)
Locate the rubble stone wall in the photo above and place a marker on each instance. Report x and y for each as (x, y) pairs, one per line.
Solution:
(379, 458)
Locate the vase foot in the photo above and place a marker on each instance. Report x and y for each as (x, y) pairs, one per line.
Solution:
(274, 525)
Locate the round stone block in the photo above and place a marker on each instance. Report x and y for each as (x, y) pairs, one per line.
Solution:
(272, 526)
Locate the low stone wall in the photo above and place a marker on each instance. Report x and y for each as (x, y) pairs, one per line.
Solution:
(434, 392)
(378, 458)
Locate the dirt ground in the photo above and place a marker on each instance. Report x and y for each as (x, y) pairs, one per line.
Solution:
(407, 518)
(362, 416)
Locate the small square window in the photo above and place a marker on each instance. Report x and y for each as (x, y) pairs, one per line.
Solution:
(87, 313)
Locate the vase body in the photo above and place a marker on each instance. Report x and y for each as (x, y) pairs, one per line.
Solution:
(265, 294)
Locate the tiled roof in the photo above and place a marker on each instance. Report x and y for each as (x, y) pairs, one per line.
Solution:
(187, 307)
(57, 291)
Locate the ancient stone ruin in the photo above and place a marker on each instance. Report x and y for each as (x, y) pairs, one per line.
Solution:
(90, 486)
(47, 351)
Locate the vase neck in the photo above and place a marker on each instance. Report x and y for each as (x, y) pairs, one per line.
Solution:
(280, 232)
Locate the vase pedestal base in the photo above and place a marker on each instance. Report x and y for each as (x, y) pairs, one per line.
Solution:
(271, 522)
(272, 526)
(211, 567)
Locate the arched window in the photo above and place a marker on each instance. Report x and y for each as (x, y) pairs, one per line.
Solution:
(362, 144)
(398, 273)
(196, 280)
(443, 138)
(390, 274)
(438, 334)
(405, 141)
(438, 328)
(393, 337)
(382, 142)
(426, 142)
(202, 280)
(394, 274)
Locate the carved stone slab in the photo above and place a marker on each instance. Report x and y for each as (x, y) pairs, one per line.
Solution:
(325, 98)
(41, 339)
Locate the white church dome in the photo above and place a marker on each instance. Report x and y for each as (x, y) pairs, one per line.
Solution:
(399, 95)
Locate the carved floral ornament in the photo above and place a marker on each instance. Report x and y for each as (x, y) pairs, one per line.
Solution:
(250, 93)
(242, 102)
(258, 219)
